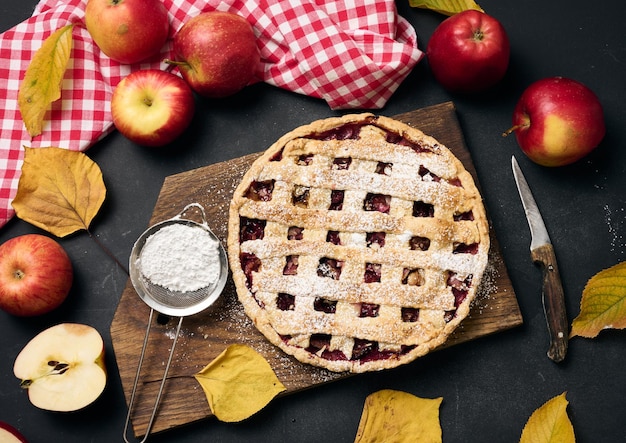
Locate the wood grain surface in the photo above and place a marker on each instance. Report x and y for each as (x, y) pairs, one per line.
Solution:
(204, 336)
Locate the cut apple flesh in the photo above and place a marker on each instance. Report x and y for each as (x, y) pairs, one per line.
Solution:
(63, 367)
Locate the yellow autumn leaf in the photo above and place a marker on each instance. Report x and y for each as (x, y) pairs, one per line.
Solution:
(60, 191)
(549, 423)
(446, 7)
(603, 303)
(391, 416)
(238, 383)
(42, 82)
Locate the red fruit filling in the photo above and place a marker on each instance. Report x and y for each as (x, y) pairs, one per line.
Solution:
(320, 343)
(249, 263)
(459, 289)
(410, 315)
(294, 233)
(336, 200)
(342, 163)
(422, 209)
(324, 305)
(329, 267)
(350, 131)
(366, 350)
(423, 172)
(375, 238)
(260, 191)
(333, 237)
(300, 196)
(251, 229)
(384, 168)
(413, 277)
(469, 215)
(291, 265)
(304, 159)
(362, 351)
(277, 157)
(377, 202)
(421, 243)
(399, 139)
(369, 310)
(455, 182)
(372, 273)
(285, 302)
(462, 248)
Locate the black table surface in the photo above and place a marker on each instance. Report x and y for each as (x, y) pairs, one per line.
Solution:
(489, 386)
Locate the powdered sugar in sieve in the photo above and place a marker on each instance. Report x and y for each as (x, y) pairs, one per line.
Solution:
(180, 257)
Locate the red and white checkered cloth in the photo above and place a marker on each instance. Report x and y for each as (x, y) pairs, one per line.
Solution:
(351, 53)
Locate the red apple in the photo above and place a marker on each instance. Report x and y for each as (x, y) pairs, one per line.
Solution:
(216, 53)
(558, 121)
(36, 275)
(8, 434)
(128, 31)
(152, 107)
(468, 52)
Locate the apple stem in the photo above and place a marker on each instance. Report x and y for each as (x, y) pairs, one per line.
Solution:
(513, 129)
(108, 252)
(174, 62)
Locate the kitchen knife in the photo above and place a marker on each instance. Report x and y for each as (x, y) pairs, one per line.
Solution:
(542, 254)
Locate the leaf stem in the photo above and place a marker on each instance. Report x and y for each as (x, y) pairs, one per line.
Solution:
(107, 252)
(169, 377)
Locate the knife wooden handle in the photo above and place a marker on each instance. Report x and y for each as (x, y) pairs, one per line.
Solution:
(553, 301)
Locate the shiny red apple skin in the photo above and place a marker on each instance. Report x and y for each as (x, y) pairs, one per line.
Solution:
(128, 31)
(558, 121)
(469, 52)
(216, 53)
(152, 107)
(36, 275)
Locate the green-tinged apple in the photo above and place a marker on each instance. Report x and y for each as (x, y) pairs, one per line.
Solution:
(128, 31)
(216, 53)
(469, 52)
(63, 367)
(8, 434)
(36, 275)
(557, 121)
(152, 107)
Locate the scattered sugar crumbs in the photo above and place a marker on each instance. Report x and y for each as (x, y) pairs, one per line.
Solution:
(488, 289)
(614, 226)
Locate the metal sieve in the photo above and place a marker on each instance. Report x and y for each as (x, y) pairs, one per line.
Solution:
(171, 302)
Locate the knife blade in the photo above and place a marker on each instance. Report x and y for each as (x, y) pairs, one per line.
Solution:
(542, 254)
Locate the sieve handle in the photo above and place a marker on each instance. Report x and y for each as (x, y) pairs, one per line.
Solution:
(198, 206)
(134, 391)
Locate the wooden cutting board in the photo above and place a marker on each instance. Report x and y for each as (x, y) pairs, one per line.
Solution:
(204, 336)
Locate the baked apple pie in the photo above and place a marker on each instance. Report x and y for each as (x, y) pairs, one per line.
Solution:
(357, 243)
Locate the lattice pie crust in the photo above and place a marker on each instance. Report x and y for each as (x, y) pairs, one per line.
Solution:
(357, 243)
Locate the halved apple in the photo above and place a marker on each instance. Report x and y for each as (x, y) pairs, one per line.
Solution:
(8, 434)
(63, 367)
